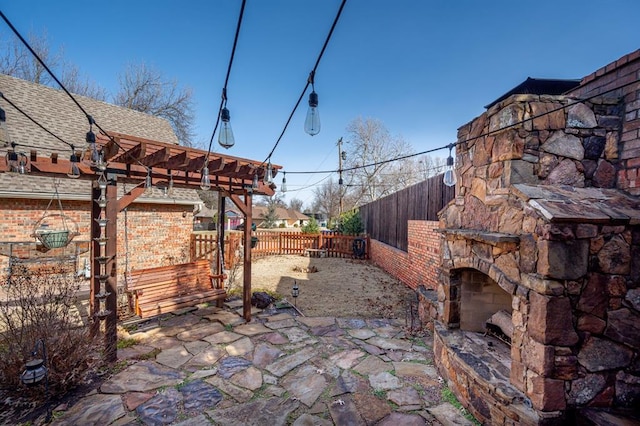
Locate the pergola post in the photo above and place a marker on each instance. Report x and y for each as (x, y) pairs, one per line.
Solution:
(220, 226)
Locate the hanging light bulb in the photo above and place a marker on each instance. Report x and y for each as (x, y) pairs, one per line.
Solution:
(170, 186)
(205, 181)
(284, 182)
(12, 159)
(267, 175)
(255, 183)
(225, 137)
(90, 138)
(450, 174)
(74, 170)
(148, 184)
(312, 122)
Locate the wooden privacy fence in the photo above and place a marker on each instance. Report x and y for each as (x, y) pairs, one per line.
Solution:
(203, 246)
(386, 219)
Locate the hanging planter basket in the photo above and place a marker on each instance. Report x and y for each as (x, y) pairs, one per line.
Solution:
(54, 231)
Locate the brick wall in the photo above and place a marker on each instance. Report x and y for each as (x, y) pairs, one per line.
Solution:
(156, 234)
(623, 72)
(417, 266)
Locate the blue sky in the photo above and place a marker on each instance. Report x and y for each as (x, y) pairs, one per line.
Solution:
(423, 68)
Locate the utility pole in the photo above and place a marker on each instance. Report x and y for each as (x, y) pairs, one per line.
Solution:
(341, 156)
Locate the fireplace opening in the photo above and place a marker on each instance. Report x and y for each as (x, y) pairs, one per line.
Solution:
(485, 306)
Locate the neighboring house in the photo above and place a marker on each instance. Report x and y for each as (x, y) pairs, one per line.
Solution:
(286, 218)
(152, 231)
(205, 219)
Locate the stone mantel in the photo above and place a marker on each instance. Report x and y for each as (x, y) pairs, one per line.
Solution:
(487, 237)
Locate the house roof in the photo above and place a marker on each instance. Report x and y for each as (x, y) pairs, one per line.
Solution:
(136, 143)
(539, 86)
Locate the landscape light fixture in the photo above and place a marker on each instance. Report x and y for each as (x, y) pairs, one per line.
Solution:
(295, 292)
(312, 122)
(148, 184)
(284, 182)
(450, 174)
(74, 170)
(36, 368)
(205, 180)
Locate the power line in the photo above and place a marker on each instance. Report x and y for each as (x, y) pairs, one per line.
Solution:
(309, 81)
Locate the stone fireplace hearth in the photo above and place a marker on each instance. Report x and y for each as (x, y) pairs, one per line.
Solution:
(540, 234)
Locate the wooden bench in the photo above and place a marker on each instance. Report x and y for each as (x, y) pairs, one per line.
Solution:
(315, 252)
(168, 288)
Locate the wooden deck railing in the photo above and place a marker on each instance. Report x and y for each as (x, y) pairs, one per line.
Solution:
(203, 246)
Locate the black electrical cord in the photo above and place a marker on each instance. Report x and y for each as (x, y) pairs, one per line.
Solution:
(309, 81)
(89, 117)
(21, 111)
(223, 101)
(482, 135)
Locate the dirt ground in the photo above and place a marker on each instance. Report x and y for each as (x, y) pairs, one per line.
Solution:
(339, 288)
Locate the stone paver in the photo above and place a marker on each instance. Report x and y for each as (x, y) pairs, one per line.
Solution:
(96, 409)
(142, 377)
(209, 367)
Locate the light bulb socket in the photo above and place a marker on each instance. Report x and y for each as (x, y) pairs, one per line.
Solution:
(90, 137)
(313, 99)
(224, 115)
(449, 161)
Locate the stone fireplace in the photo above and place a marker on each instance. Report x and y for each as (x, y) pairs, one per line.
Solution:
(542, 245)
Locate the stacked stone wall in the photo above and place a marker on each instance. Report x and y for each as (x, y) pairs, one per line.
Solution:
(575, 287)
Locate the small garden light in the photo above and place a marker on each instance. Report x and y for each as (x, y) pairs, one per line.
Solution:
(295, 292)
(36, 368)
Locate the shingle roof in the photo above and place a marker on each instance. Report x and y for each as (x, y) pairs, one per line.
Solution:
(56, 111)
(282, 213)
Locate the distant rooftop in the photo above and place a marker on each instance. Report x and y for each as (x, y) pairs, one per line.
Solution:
(539, 86)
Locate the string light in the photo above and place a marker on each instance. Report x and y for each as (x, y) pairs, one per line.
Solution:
(148, 184)
(255, 184)
(450, 174)
(312, 122)
(205, 180)
(268, 176)
(225, 137)
(74, 170)
(284, 182)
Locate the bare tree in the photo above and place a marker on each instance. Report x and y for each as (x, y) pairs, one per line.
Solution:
(296, 204)
(75, 83)
(369, 148)
(17, 61)
(145, 89)
(327, 199)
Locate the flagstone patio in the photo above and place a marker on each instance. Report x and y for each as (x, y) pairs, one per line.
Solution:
(207, 366)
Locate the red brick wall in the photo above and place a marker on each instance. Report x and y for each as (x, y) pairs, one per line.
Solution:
(624, 71)
(156, 234)
(418, 266)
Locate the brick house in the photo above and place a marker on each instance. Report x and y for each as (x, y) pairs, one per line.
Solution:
(152, 231)
(542, 246)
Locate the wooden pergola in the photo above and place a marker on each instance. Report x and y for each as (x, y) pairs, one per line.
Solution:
(129, 159)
